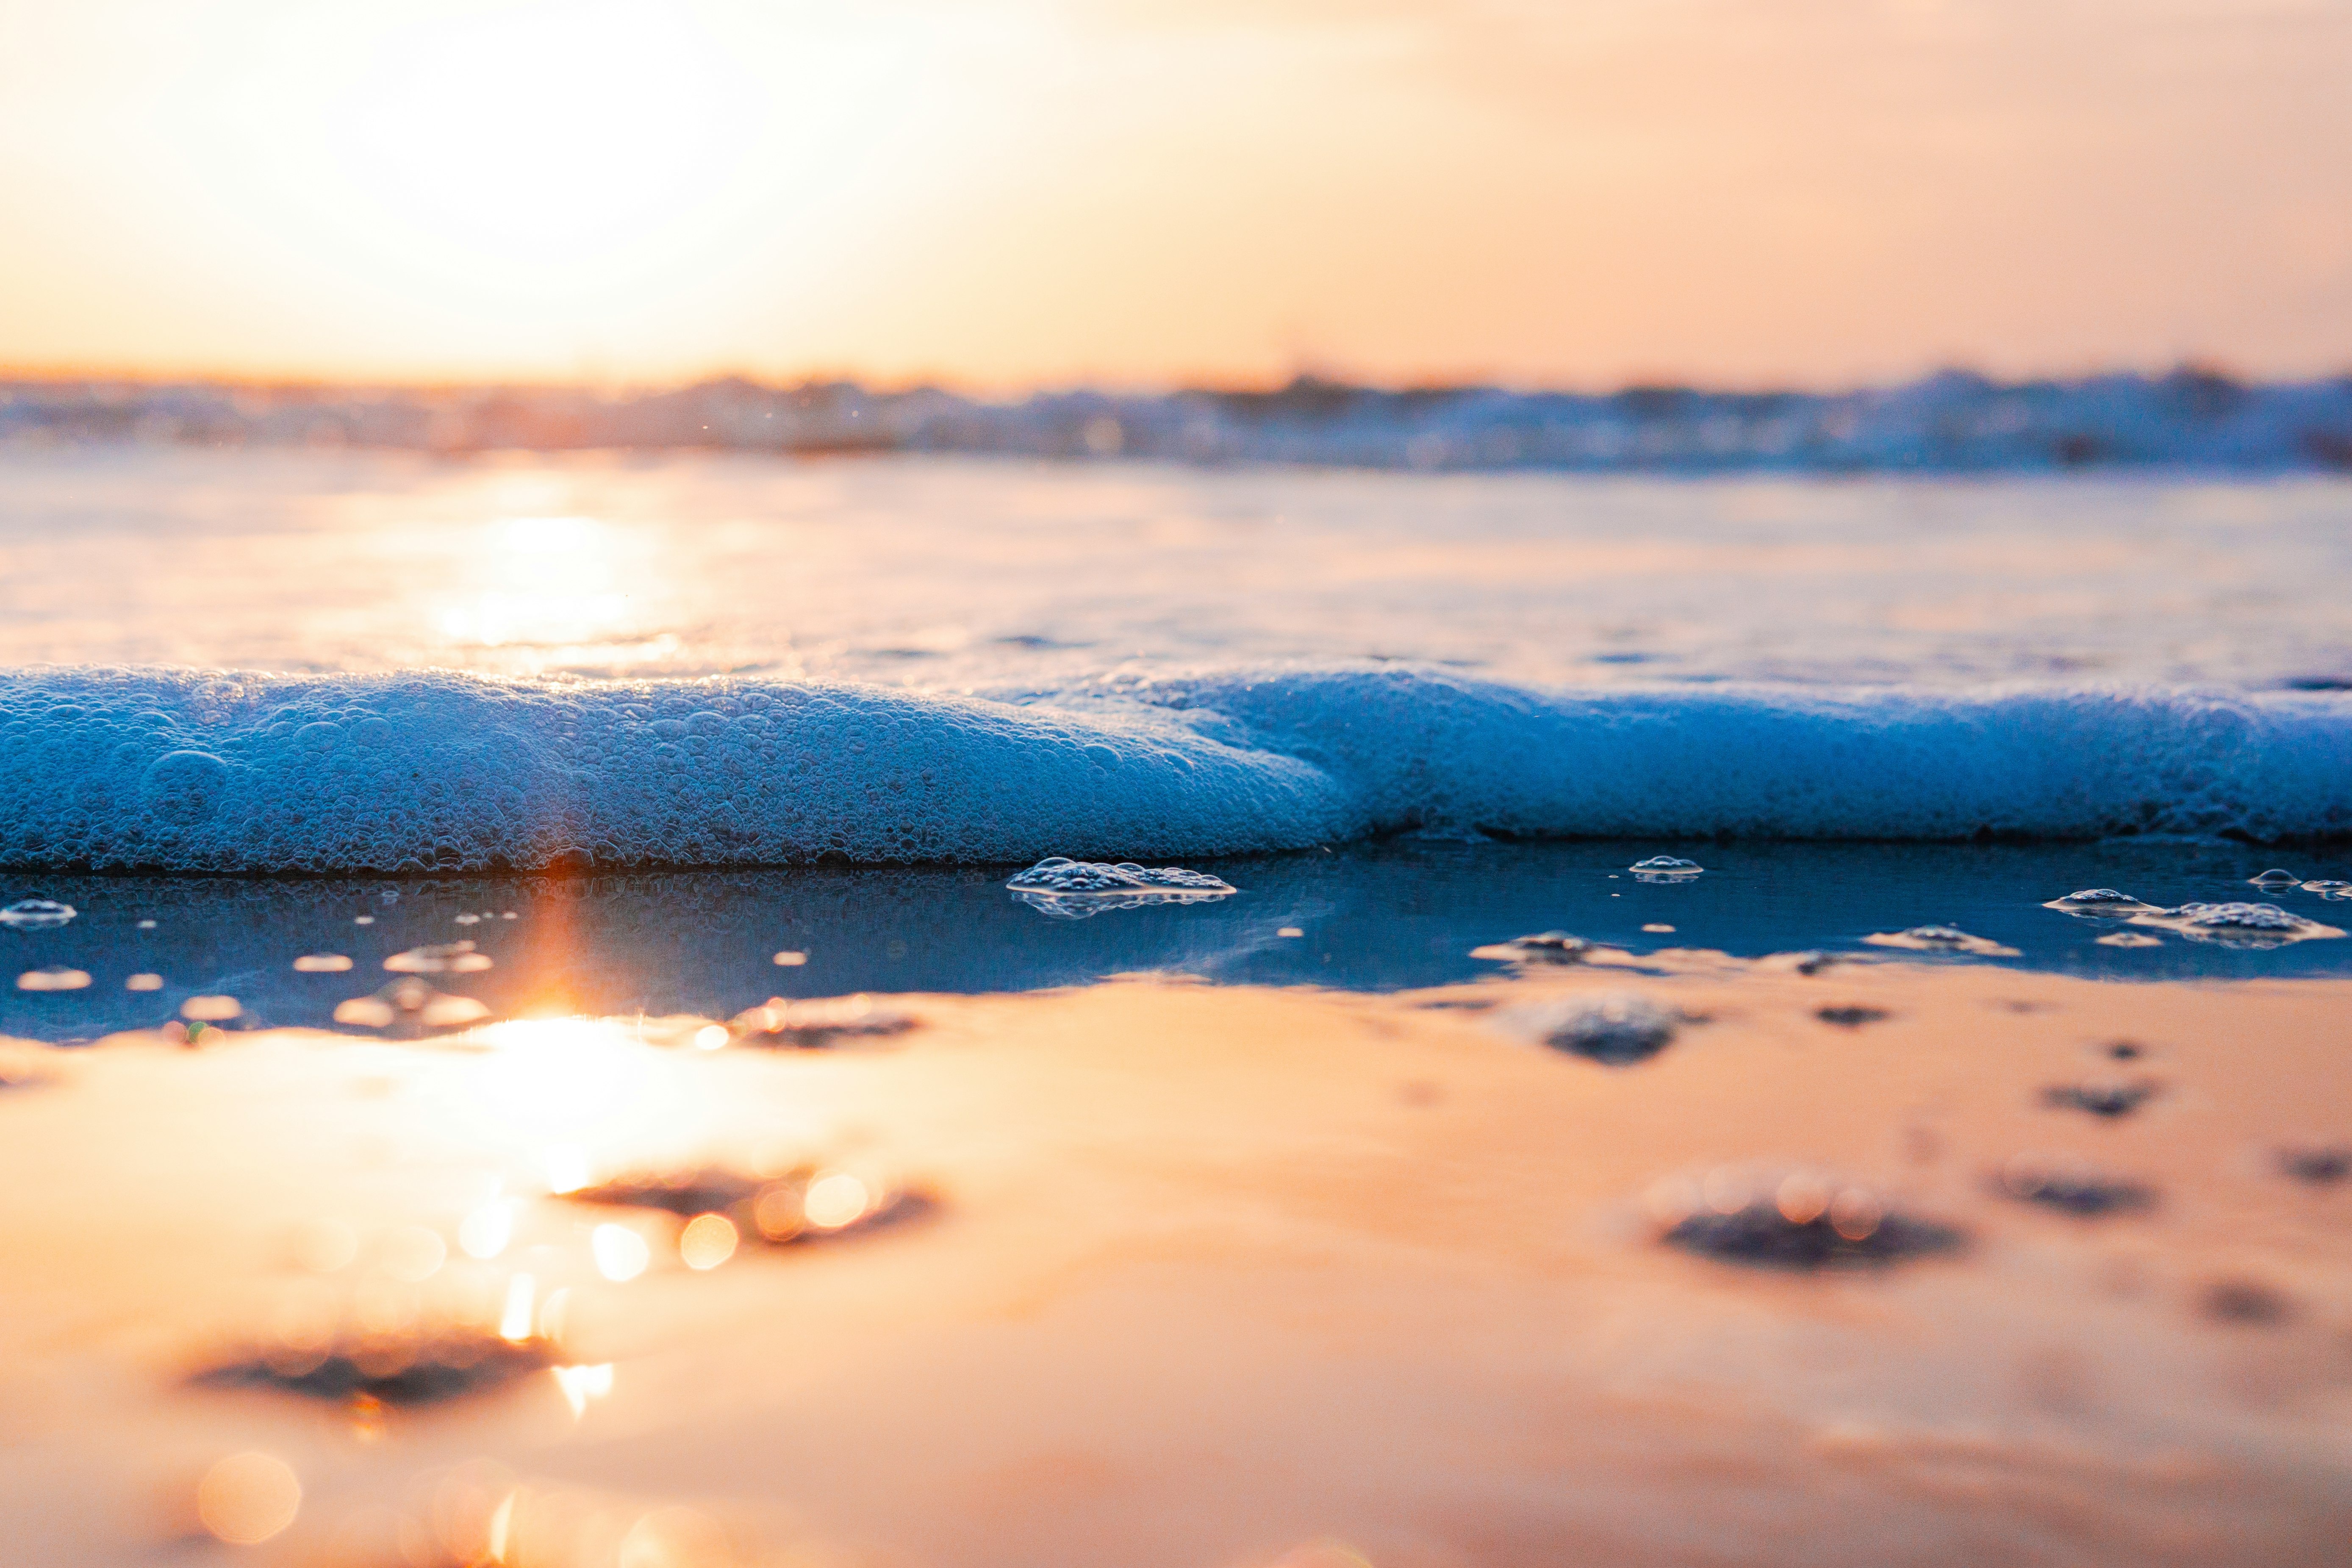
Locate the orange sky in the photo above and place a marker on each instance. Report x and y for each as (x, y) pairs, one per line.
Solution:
(1009, 192)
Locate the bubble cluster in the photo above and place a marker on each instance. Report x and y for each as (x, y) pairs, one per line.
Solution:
(1617, 1028)
(409, 1005)
(817, 1023)
(2321, 1164)
(398, 1361)
(2237, 924)
(444, 958)
(1941, 939)
(1543, 947)
(2108, 1100)
(2073, 1188)
(1079, 889)
(805, 1203)
(1802, 1219)
(1059, 874)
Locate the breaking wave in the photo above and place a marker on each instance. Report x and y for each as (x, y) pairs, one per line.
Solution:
(176, 769)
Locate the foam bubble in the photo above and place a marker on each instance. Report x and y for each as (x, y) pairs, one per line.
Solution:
(1801, 1219)
(1617, 1028)
(444, 958)
(1543, 947)
(1079, 889)
(437, 771)
(2100, 904)
(2236, 925)
(1941, 939)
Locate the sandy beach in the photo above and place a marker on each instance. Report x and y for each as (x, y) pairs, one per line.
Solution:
(1197, 1276)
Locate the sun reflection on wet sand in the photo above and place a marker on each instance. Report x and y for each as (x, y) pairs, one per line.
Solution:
(1380, 1237)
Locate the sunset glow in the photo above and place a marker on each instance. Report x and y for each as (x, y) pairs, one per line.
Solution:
(1006, 192)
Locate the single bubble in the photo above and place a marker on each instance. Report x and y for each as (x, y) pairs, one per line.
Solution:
(146, 925)
(790, 959)
(1802, 1197)
(447, 1012)
(2276, 877)
(362, 920)
(2100, 904)
(2129, 939)
(1290, 930)
(36, 914)
(365, 1013)
(246, 1499)
(1855, 1214)
(621, 1253)
(469, 918)
(835, 1200)
(710, 1037)
(1656, 930)
(1665, 867)
(57, 977)
(321, 964)
(143, 983)
(781, 1213)
(708, 1241)
(211, 1009)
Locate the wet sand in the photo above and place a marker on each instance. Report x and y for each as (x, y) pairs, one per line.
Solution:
(1202, 1276)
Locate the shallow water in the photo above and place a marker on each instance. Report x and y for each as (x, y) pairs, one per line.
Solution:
(975, 573)
(1384, 917)
(1393, 1243)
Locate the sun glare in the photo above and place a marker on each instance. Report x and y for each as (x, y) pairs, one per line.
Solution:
(532, 133)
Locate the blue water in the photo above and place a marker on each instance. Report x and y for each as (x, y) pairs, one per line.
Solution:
(1397, 914)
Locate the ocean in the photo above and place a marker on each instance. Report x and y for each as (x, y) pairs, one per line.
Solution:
(1598, 1018)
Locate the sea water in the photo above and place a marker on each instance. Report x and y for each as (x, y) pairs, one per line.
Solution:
(398, 670)
(1632, 1054)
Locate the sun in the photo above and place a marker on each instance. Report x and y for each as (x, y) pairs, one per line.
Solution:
(545, 134)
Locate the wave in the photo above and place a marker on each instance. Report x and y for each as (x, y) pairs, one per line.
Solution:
(115, 769)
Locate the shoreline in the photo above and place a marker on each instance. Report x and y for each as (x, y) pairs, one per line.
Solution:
(1212, 1272)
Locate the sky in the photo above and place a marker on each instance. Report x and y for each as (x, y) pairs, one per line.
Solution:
(1001, 194)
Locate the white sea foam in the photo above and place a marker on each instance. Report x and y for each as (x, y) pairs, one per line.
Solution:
(116, 768)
